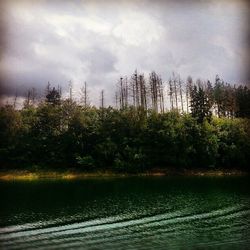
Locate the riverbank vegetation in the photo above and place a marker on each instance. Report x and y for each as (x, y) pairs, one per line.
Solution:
(205, 126)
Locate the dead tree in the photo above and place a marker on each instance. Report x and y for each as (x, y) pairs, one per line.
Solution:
(102, 104)
(102, 99)
(28, 99)
(175, 92)
(153, 82)
(84, 95)
(171, 94)
(29, 96)
(180, 89)
(33, 96)
(133, 92)
(116, 100)
(156, 92)
(135, 89)
(123, 93)
(126, 92)
(15, 99)
(70, 90)
(188, 90)
(161, 96)
(143, 92)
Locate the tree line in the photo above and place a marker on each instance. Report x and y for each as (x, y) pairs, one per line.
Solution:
(203, 126)
(200, 98)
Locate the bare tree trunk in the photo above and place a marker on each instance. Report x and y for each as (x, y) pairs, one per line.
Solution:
(188, 91)
(175, 93)
(187, 94)
(137, 90)
(154, 87)
(180, 88)
(116, 100)
(33, 96)
(171, 94)
(15, 98)
(121, 94)
(27, 101)
(85, 94)
(102, 105)
(145, 96)
(142, 92)
(162, 96)
(70, 90)
(133, 89)
(48, 88)
(126, 92)
(159, 93)
(102, 99)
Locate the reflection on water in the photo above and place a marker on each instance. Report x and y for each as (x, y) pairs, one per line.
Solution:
(126, 213)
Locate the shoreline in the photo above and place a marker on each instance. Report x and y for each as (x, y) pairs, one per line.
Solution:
(22, 175)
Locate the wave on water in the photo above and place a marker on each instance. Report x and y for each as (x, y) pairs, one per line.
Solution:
(165, 229)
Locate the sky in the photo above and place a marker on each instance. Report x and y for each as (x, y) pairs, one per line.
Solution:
(100, 41)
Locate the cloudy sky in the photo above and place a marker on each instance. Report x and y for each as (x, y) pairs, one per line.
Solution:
(99, 41)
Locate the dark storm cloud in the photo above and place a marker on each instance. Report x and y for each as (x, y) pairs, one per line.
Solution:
(247, 43)
(96, 41)
(101, 61)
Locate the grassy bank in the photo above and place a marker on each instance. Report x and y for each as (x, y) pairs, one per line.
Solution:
(10, 175)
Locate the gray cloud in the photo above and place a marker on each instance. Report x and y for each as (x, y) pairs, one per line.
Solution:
(97, 42)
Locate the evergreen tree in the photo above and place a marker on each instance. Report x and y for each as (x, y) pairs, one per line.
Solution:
(200, 105)
(53, 96)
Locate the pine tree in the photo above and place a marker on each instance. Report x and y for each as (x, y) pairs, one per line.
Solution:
(200, 105)
(53, 96)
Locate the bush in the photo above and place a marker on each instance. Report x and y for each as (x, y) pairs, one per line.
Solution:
(121, 140)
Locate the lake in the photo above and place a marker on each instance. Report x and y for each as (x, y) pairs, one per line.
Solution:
(126, 213)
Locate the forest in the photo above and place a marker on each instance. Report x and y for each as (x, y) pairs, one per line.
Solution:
(154, 124)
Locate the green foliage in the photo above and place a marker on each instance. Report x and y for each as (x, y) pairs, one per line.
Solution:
(200, 104)
(86, 162)
(233, 140)
(221, 98)
(243, 102)
(128, 140)
(53, 96)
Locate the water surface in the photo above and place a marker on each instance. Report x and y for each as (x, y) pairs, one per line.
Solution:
(126, 213)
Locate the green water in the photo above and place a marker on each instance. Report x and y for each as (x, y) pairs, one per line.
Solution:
(126, 213)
